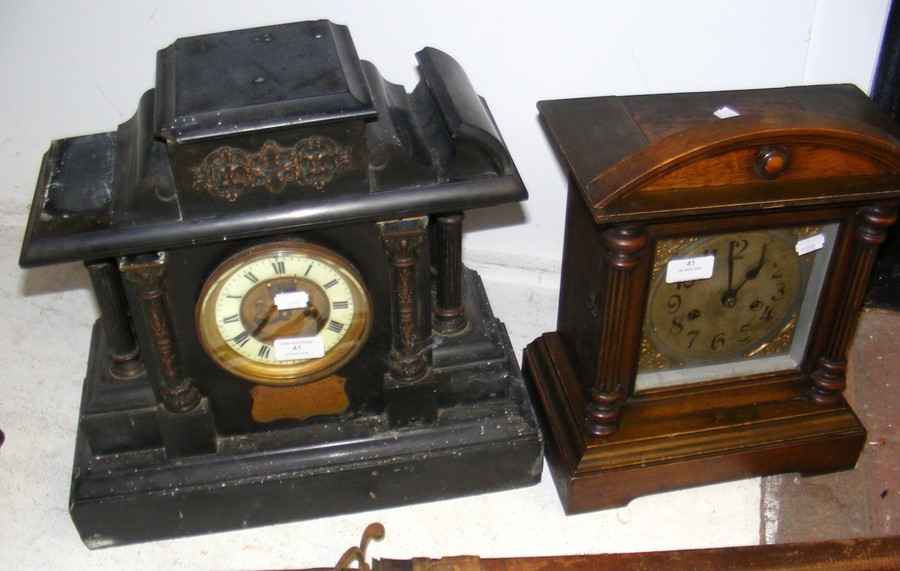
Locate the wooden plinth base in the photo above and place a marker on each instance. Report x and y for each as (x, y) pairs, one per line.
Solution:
(679, 439)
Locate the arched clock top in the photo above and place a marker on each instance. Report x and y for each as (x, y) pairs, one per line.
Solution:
(719, 154)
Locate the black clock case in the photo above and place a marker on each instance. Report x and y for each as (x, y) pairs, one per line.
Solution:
(165, 433)
(296, 470)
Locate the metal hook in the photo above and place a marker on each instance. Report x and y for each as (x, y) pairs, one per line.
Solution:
(358, 554)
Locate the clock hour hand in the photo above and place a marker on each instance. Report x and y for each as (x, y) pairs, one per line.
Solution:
(754, 271)
(263, 318)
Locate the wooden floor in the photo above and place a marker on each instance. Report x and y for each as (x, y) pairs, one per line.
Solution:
(864, 502)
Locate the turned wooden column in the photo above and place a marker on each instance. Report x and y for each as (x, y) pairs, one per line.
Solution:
(122, 347)
(449, 310)
(620, 314)
(830, 377)
(145, 275)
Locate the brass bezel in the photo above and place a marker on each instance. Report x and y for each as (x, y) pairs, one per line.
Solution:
(291, 372)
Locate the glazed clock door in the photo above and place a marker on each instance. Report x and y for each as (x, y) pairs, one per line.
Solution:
(731, 304)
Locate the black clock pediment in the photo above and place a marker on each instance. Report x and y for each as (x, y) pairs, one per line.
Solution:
(230, 83)
(180, 173)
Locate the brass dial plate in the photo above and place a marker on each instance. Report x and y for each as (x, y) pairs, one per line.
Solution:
(756, 305)
(756, 280)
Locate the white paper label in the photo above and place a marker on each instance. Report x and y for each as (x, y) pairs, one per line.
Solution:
(292, 300)
(690, 269)
(293, 348)
(726, 113)
(811, 244)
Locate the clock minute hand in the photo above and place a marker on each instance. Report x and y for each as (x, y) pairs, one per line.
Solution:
(730, 265)
(729, 298)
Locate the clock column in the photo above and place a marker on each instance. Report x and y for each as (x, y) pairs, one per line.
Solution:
(449, 316)
(410, 386)
(185, 422)
(830, 377)
(619, 317)
(124, 353)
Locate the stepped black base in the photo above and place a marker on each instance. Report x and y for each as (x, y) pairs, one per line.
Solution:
(125, 489)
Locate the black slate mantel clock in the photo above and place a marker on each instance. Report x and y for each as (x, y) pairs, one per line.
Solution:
(716, 254)
(287, 330)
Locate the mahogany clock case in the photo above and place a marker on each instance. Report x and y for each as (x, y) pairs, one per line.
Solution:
(312, 156)
(649, 172)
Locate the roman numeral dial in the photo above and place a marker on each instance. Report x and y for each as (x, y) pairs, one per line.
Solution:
(283, 313)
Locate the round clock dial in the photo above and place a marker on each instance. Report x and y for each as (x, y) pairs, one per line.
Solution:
(283, 313)
(755, 285)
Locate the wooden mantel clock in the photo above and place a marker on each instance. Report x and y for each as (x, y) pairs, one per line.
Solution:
(287, 330)
(716, 253)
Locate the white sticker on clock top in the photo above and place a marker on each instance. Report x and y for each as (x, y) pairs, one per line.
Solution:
(293, 348)
(690, 269)
(811, 244)
(726, 112)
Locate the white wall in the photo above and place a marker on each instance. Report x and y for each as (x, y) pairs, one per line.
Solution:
(69, 68)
